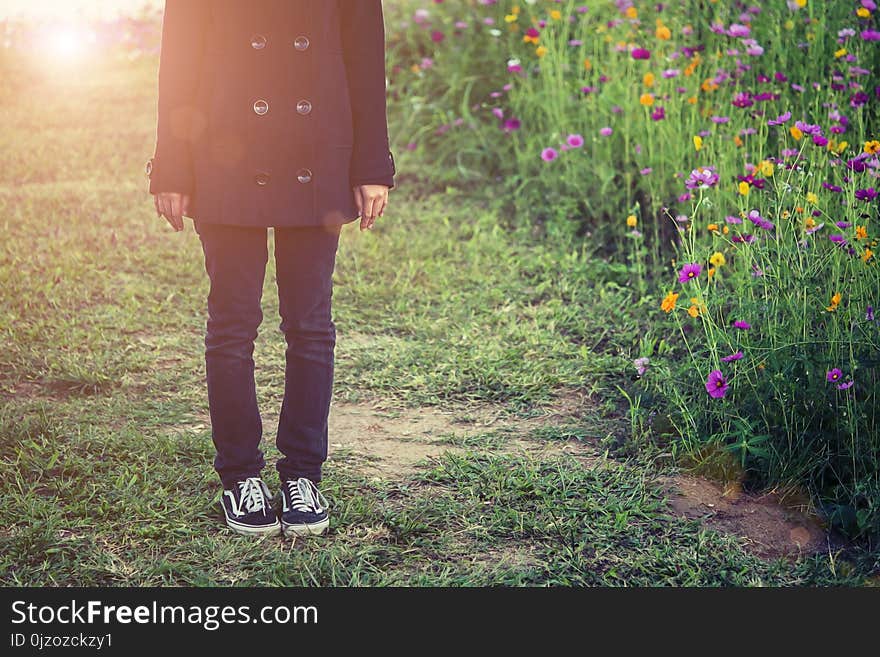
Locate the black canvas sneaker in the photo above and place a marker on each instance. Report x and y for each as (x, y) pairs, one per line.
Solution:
(248, 510)
(305, 510)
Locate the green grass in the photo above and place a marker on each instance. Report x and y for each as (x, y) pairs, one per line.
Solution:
(105, 459)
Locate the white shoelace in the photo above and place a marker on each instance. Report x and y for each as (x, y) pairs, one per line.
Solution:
(305, 496)
(253, 496)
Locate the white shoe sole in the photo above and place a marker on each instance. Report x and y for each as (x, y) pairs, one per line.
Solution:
(313, 529)
(250, 530)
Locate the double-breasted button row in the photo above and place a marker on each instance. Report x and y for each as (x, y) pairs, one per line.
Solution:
(261, 107)
(259, 41)
(303, 175)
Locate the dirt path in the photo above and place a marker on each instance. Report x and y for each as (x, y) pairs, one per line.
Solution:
(387, 442)
(390, 443)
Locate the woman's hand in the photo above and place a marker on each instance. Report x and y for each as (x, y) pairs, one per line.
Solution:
(173, 207)
(370, 201)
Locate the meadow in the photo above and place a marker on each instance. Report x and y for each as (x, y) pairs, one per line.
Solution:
(603, 266)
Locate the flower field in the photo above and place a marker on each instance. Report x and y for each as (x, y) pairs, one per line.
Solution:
(727, 154)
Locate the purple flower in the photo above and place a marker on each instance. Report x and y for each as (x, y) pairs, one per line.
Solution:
(808, 128)
(866, 194)
(732, 219)
(728, 359)
(815, 228)
(658, 114)
(702, 178)
(741, 325)
(759, 221)
(549, 154)
(606, 131)
(779, 120)
(846, 385)
(837, 239)
(641, 53)
(833, 375)
(843, 224)
(716, 384)
(641, 365)
(511, 124)
(869, 313)
(689, 272)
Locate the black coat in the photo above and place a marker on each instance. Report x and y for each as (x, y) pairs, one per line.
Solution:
(271, 111)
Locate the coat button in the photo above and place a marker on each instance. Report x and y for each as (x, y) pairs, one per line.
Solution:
(301, 43)
(261, 107)
(262, 178)
(304, 175)
(303, 107)
(258, 42)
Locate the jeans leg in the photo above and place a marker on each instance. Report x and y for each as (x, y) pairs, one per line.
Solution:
(305, 258)
(235, 260)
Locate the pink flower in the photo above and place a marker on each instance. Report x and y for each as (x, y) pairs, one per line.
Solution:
(716, 384)
(549, 154)
(641, 53)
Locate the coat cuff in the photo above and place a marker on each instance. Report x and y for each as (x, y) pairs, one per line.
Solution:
(169, 175)
(381, 173)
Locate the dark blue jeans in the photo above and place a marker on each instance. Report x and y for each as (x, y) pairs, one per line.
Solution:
(235, 260)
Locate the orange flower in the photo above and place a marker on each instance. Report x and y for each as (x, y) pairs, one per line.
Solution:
(647, 99)
(668, 304)
(861, 232)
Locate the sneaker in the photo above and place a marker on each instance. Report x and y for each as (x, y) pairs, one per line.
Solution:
(305, 510)
(248, 510)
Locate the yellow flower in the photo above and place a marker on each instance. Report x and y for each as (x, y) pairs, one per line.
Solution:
(631, 221)
(872, 146)
(668, 304)
(789, 24)
(862, 12)
(555, 14)
(809, 223)
(835, 301)
(743, 188)
(867, 255)
(632, 12)
(801, 3)
(664, 33)
(796, 132)
(540, 51)
(646, 99)
(837, 147)
(711, 272)
(712, 228)
(510, 18)
(861, 232)
(812, 198)
(839, 53)
(648, 79)
(717, 259)
(698, 142)
(693, 311)
(766, 168)
(725, 230)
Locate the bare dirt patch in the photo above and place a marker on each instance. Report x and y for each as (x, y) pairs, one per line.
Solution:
(770, 528)
(388, 442)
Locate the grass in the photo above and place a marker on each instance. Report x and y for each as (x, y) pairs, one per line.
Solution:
(105, 457)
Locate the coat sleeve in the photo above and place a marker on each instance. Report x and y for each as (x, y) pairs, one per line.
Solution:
(184, 26)
(363, 43)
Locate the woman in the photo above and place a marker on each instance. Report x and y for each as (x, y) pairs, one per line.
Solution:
(271, 113)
